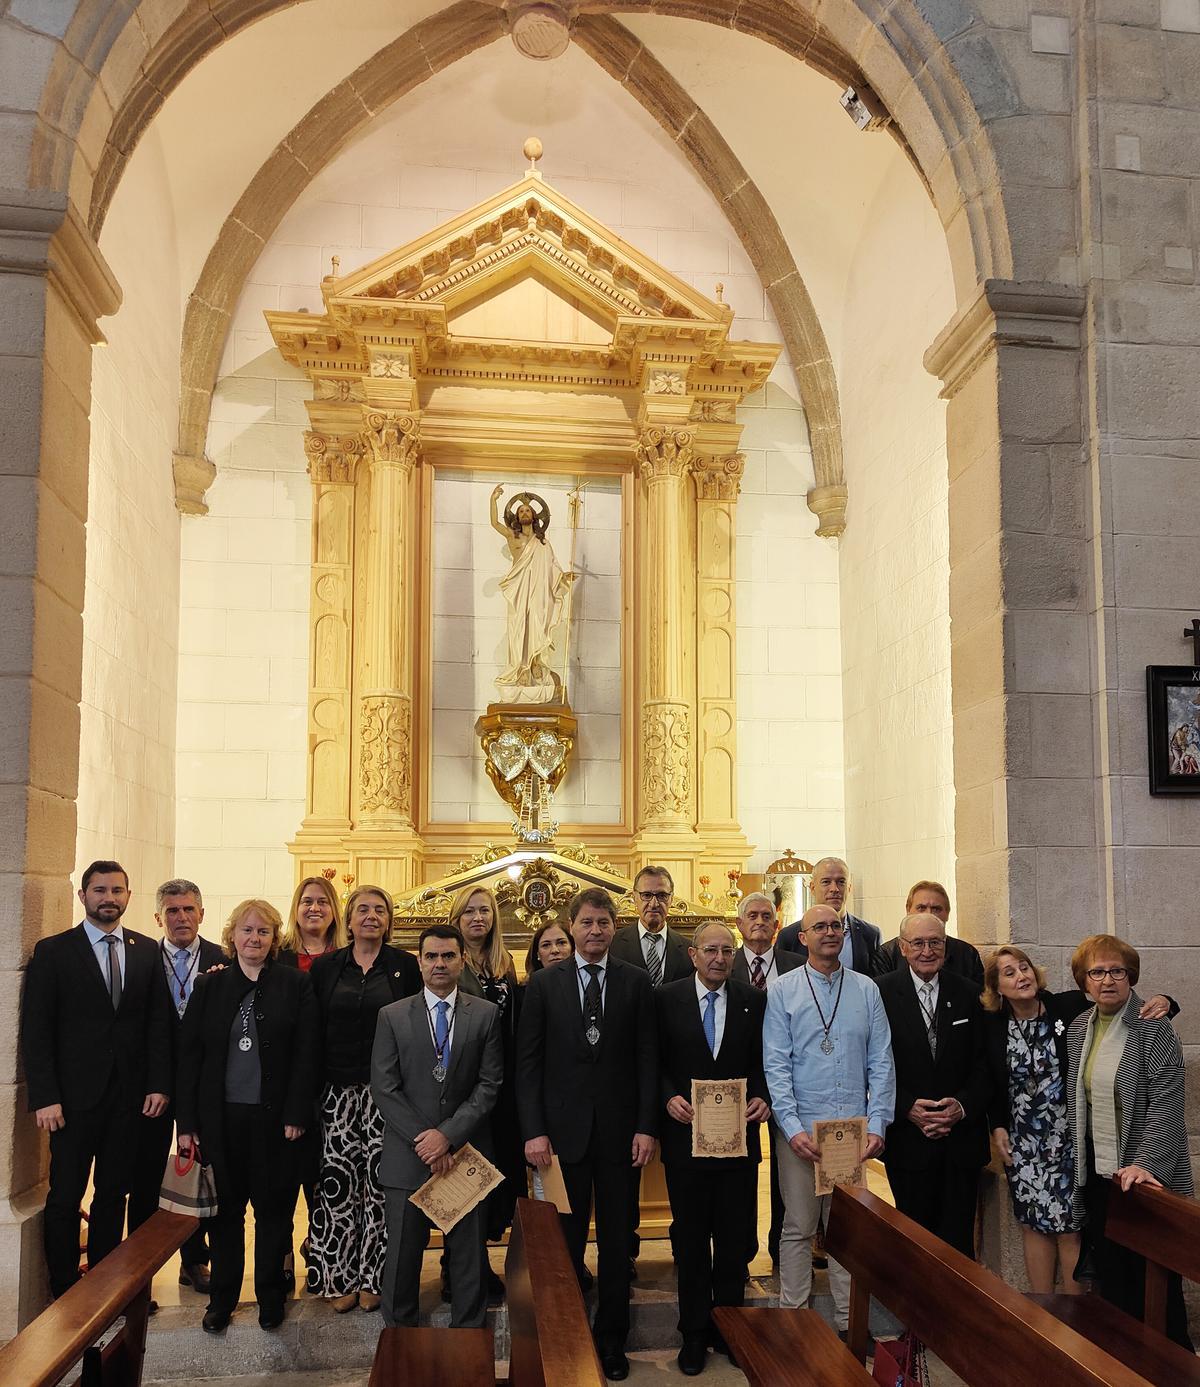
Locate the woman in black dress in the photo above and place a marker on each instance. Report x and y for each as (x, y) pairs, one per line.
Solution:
(348, 1228)
(247, 1083)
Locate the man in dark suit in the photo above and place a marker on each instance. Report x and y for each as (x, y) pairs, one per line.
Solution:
(651, 943)
(830, 885)
(587, 1092)
(96, 1041)
(760, 963)
(436, 1072)
(709, 1027)
(183, 957)
(938, 1142)
(932, 898)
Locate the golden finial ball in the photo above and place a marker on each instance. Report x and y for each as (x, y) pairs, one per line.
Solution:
(532, 149)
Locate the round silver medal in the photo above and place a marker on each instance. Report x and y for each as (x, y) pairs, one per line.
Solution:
(245, 1044)
(439, 1072)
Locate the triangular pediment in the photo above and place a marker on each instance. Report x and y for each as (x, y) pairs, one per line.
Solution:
(533, 307)
(529, 231)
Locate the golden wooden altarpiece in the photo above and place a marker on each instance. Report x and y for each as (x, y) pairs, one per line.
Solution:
(521, 337)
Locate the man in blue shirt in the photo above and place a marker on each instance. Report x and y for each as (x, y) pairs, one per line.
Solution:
(827, 1053)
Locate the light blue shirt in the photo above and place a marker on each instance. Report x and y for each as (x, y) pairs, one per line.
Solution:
(807, 1085)
(98, 938)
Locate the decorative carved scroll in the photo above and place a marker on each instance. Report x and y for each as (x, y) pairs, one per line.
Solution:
(663, 452)
(394, 438)
(385, 769)
(667, 760)
(719, 479)
(332, 457)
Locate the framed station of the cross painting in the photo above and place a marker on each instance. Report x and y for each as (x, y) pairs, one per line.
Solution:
(1173, 721)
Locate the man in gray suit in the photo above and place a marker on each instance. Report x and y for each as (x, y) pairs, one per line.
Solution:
(435, 1076)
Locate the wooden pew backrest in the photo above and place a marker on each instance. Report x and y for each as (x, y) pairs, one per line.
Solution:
(982, 1329)
(550, 1341)
(788, 1348)
(434, 1358)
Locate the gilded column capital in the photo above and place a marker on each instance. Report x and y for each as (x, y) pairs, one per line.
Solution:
(394, 438)
(719, 478)
(663, 453)
(332, 457)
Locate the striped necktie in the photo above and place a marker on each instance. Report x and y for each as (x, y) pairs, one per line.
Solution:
(654, 962)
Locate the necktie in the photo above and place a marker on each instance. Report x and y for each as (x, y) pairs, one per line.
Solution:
(757, 976)
(114, 970)
(441, 1034)
(710, 1022)
(930, 1016)
(592, 998)
(654, 963)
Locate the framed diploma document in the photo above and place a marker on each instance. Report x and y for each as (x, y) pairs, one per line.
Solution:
(840, 1143)
(719, 1117)
(444, 1199)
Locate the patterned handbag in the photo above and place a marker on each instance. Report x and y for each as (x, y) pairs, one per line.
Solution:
(900, 1362)
(188, 1187)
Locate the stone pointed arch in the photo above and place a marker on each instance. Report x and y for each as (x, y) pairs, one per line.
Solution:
(396, 70)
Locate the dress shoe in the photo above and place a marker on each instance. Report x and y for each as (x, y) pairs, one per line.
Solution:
(368, 1301)
(270, 1316)
(344, 1303)
(614, 1364)
(693, 1356)
(215, 1321)
(495, 1288)
(195, 1275)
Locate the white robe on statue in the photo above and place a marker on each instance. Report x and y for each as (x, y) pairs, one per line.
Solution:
(535, 589)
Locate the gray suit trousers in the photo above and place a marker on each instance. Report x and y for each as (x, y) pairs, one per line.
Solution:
(408, 1237)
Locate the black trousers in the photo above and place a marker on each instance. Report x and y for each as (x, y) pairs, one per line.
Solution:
(708, 1205)
(154, 1142)
(608, 1181)
(257, 1170)
(776, 1205)
(942, 1198)
(101, 1136)
(1121, 1274)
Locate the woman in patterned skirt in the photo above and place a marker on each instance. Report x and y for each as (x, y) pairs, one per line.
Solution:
(1027, 1051)
(348, 1231)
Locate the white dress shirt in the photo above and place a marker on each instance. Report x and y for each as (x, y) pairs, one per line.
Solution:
(718, 1010)
(98, 938)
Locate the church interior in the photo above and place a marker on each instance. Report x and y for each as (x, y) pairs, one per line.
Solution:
(517, 444)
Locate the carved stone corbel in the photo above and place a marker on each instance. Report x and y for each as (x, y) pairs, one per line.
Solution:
(193, 476)
(828, 504)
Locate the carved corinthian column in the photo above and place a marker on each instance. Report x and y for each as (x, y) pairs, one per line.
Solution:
(667, 747)
(384, 790)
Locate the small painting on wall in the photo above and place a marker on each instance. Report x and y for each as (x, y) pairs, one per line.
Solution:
(1173, 720)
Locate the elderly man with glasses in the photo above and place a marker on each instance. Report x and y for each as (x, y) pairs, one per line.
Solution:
(938, 1143)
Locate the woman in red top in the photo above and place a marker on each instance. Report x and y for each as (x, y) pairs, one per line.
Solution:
(314, 924)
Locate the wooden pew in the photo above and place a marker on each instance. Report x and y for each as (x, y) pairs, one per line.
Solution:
(983, 1330)
(1164, 1228)
(434, 1358)
(788, 1348)
(550, 1340)
(118, 1288)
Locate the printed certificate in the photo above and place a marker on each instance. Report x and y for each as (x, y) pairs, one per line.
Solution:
(719, 1117)
(445, 1199)
(840, 1143)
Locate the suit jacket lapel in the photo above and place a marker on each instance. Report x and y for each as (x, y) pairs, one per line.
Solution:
(464, 1018)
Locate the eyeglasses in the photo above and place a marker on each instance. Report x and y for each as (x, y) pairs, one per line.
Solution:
(1099, 974)
(934, 946)
(712, 950)
(662, 897)
(826, 929)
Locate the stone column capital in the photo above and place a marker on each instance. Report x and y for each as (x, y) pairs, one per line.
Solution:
(1005, 312)
(719, 478)
(663, 453)
(193, 476)
(828, 504)
(394, 438)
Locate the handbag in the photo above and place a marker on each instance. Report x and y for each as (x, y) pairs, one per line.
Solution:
(188, 1187)
(900, 1362)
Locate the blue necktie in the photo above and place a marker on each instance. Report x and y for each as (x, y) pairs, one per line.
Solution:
(441, 1034)
(710, 1022)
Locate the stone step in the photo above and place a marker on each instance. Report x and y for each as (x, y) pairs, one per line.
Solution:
(315, 1338)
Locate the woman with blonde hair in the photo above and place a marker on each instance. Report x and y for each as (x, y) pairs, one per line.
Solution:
(1026, 1040)
(491, 974)
(314, 924)
(246, 1088)
(348, 1228)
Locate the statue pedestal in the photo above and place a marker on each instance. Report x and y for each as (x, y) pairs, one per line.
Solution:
(526, 748)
